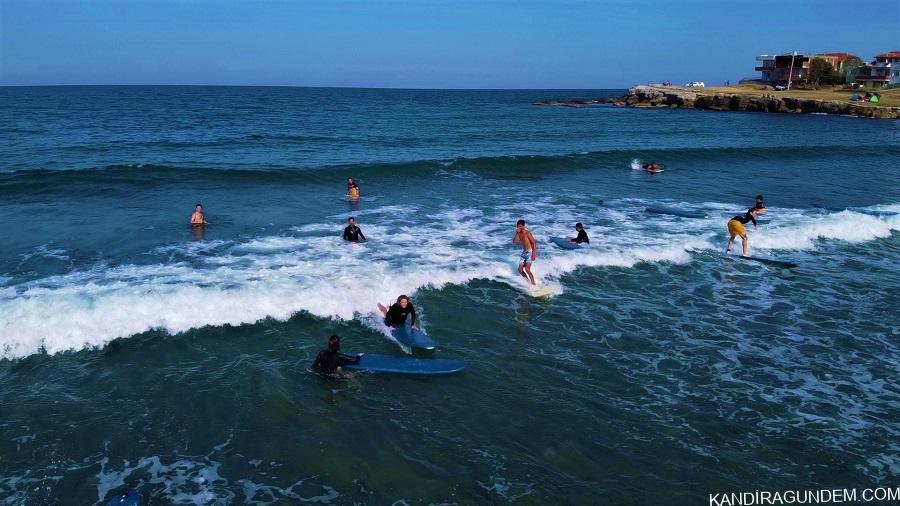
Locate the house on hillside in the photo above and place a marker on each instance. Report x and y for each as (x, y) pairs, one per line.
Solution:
(779, 69)
(883, 71)
(836, 59)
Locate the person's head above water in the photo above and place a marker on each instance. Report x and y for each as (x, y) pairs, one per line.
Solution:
(198, 207)
(351, 220)
(579, 226)
(520, 223)
(759, 199)
(403, 300)
(334, 343)
(752, 211)
(349, 181)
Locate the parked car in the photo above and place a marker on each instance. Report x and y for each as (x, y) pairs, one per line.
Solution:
(695, 84)
(780, 87)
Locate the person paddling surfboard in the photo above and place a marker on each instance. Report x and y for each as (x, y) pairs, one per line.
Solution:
(529, 250)
(396, 315)
(330, 360)
(736, 228)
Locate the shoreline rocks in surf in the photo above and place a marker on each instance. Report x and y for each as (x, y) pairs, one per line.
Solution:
(649, 96)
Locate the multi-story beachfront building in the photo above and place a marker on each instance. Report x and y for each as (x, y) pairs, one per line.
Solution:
(783, 68)
(883, 71)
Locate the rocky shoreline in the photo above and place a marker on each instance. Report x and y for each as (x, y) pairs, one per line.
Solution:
(664, 96)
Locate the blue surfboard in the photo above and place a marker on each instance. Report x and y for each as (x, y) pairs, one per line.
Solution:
(674, 211)
(564, 243)
(131, 498)
(767, 261)
(413, 338)
(407, 365)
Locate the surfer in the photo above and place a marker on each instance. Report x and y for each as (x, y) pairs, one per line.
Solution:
(352, 233)
(582, 235)
(352, 189)
(330, 360)
(760, 206)
(198, 219)
(398, 312)
(652, 167)
(529, 250)
(736, 228)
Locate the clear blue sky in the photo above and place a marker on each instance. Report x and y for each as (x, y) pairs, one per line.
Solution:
(424, 44)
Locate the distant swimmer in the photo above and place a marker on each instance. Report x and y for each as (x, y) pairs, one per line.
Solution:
(352, 189)
(582, 237)
(330, 360)
(198, 218)
(352, 233)
(760, 206)
(396, 315)
(529, 250)
(736, 228)
(652, 167)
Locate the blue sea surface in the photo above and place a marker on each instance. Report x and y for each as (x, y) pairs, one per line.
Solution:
(137, 352)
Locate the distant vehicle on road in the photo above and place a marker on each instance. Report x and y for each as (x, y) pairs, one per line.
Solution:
(781, 87)
(695, 84)
(667, 83)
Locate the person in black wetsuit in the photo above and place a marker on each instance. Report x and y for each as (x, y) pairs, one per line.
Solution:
(353, 233)
(396, 315)
(330, 360)
(736, 228)
(760, 206)
(582, 235)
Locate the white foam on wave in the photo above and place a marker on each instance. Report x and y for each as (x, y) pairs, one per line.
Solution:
(847, 226)
(410, 249)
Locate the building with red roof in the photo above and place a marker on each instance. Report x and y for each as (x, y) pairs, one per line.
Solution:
(883, 71)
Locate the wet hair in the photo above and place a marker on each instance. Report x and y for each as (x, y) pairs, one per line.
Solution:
(401, 298)
(520, 222)
(198, 205)
(351, 218)
(578, 226)
(334, 343)
(751, 210)
(759, 197)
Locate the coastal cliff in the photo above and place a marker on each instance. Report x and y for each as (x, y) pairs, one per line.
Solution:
(738, 100)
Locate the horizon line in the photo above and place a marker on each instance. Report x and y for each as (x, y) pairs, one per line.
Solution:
(304, 86)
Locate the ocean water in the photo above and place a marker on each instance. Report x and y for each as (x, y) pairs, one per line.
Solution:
(137, 353)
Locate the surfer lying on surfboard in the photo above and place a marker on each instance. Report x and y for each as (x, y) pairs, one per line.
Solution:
(330, 360)
(736, 228)
(529, 250)
(652, 167)
(396, 315)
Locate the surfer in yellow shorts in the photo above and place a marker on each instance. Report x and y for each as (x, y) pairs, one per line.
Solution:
(352, 189)
(736, 228)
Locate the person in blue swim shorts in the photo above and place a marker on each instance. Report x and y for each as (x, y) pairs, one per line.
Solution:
(529, 250)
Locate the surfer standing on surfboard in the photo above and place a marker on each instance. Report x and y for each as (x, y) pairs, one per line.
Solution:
(396, 315)
(736, 228)
(529, 250)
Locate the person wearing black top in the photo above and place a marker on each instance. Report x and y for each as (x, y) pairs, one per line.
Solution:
(330, 360)
(396, 315)
(736, 228)
(760, 206)
(353, 233)
(582, 235)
